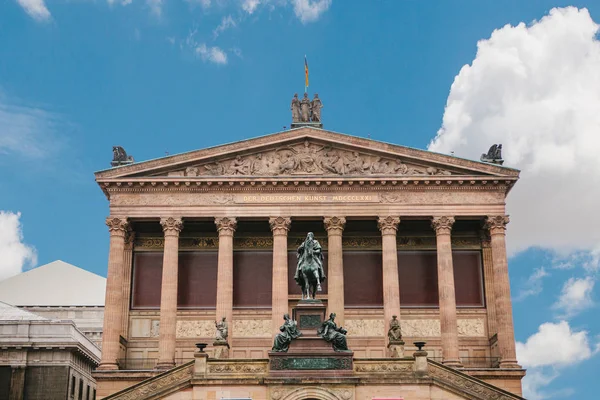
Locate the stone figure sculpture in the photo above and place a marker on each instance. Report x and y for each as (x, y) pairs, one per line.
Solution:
(295, 107)
(309, 270)
(289, 331)
(305, 108)
(394, 333)
(120, 157)
(222, 331)
(332, 334)
(316, 106)
(494, 155)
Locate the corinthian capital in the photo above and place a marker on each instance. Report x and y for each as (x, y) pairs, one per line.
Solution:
(117, 225)
(280, 225)
(442, 225)
(171, 225)
(226, 225)
(388, 225)
(334, 225)
(496, 223)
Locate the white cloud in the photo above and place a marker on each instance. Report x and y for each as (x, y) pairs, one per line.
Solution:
(310, 10)
(155, 7)
(553, 347)
(27, 131)
(226, 23)
(554, 344)
(203, 3)
(213, 54)
(536, 90)
(250, 5)
(15, 254)
(533, 286)
(36, 9)
(575, 296)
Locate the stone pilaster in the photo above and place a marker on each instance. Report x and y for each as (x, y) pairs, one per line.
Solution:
(447, 297)
(388, 226)
(168, 298)
(335, 265)
(113, 311)
(280, 227)
(226, 227)
(127, 266)
(504, 318)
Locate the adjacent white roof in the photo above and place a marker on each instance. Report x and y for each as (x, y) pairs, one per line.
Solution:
(10, 313)
(54, 284)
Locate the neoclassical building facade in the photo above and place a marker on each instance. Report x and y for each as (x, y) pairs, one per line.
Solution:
(213, 233)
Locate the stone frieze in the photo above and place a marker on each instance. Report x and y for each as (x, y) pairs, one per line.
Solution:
(473, 327)
(365, 327)
(252, 328)
(194, 329)
(310, 158)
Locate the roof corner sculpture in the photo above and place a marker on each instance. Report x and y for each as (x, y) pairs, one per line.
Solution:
(120, 157)
(494, 155)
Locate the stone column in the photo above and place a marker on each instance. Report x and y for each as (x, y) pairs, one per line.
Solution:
(226, 228)
(448, 324)
(127, 266)
(335, 267)
(168, 297)
(280, 227)
(391, 285)
(113, 311)
(488, 275)
(504, 319)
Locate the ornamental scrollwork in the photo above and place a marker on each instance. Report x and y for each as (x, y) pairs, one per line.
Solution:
(496, 223)
(387, 367)
(117, 225)
(334, 225)
(280, 225)
(442, 225)
(171, 225)
(388, 225)
(226, 225)
(237, 368)
(313, 159)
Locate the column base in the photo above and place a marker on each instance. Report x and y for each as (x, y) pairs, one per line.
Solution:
(107, 366)
(452, 363)
(164, 365)
(509, 364)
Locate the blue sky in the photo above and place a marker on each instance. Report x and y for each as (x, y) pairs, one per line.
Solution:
(77, 77)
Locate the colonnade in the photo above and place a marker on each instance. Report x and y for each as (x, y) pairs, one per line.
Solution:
(226, 226)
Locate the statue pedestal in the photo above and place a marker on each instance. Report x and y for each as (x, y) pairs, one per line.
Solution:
(309, 314)
(395, 349)
(221, 349)
(308, 124)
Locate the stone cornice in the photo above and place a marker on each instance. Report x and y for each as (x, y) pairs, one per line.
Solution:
(295, 135)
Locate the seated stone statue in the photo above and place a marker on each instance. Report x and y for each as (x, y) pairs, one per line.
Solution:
(289, 331)
(394, 333)
(332, 334)
(222, 331)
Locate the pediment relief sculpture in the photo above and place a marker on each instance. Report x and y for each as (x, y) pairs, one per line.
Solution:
(309, 158)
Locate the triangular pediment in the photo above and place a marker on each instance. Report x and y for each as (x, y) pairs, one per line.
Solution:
(306, 152)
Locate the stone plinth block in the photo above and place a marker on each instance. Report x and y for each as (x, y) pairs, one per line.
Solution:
(395, 349)
(309, 314)
(304, 363)
(221, 350)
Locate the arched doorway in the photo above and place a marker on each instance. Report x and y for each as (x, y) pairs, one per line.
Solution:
(313, 393)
